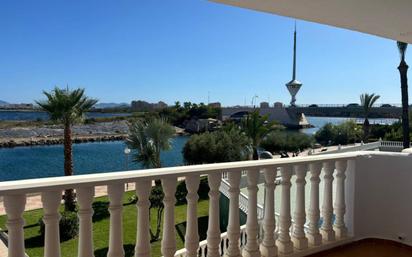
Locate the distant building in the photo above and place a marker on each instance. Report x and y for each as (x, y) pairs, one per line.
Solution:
(21, 106)
(278, 105)
(143, 106)
(215, 105)
(201, 125)
(264, 105)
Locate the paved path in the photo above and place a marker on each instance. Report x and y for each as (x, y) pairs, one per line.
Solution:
(34, 201)
(3, 249)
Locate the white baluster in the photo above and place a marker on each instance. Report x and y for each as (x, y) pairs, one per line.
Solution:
(85, 197)
(284, 243)
(14, 206)
(143, 188)
(115, 193)
(51, 202)
(252, 228)
(268, 247)
(299, 239)
(340, 207)
(192, 235)
(213, 232)
(169, 236)
(314, 236)
(233, 228)
(328, 234)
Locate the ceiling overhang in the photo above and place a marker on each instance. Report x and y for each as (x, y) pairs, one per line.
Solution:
(390, 19)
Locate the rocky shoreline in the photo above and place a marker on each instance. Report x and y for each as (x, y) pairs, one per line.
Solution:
(15, 142)
(53, 134)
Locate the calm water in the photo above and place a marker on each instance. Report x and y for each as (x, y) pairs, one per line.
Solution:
(47, 161)
(319, 122)
(18, 115)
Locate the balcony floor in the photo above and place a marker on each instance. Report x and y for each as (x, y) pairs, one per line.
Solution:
(369, 248)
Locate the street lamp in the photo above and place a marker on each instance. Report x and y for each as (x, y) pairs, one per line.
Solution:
(126, 154)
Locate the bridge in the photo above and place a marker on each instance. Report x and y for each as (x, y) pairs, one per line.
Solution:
(279, 113)
(292, 115)
(347, 111)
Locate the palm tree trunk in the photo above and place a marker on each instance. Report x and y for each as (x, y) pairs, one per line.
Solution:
(403, 70)
(69, 198)
(366, 127)
(255, 153)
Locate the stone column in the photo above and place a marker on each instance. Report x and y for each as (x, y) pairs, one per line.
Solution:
(252, 228)
(284, 243)
(14, 206)
(51, 202)
(340, 206)
(328, 234)
(299, 238)
(192, 235)
(115, 193)
(268, 247)
(143, 188)
(213, 232)
(169, 233)
(314, 236)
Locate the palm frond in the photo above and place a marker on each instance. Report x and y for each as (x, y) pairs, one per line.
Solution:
(65, 105)
(149, 138)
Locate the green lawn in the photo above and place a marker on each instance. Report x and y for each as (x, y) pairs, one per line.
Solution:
(34, 244)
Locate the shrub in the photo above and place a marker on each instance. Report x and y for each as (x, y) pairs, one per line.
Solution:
(181, 191)
(69, 226)
(217, 146)
(100, 210)
(345, 133)
(279, 141)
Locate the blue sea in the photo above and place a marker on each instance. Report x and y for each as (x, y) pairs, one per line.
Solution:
(47, 161)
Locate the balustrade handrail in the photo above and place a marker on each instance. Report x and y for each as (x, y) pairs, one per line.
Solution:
(289, 230)
(243, 199)
(67, 182)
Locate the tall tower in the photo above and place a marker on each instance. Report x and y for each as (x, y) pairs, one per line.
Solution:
(294, 85)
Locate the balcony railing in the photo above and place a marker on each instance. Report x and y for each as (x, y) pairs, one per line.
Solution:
(358, 178)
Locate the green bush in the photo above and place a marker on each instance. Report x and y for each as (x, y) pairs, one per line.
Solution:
(100, 210)
(69, 226)
(180, 195)
(279, 141)
(345, 133)
(181, 191)
(218, 146)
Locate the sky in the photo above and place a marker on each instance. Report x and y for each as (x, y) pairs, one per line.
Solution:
(184, 50)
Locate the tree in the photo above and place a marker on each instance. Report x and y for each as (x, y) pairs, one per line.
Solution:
(403, 71)
(284, 141)
(367, 102)
(149, 138)
(256, 127)
(345, 133)
(225, 145)
(67, 107)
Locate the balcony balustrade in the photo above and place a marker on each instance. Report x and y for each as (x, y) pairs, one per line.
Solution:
(369, 198)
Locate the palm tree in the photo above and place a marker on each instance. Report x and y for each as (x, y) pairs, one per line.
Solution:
(403, 71)
(149, 138)
(367, 102)
(67, 107)
(256, 127)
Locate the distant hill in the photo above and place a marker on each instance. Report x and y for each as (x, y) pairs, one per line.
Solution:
(110, 105)
(3, 103)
